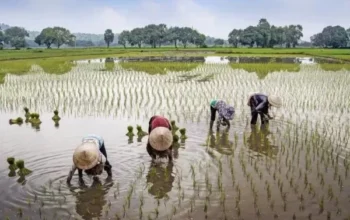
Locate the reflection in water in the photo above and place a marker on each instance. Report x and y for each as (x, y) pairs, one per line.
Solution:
(220, 142)
(12, 173)
(57, 124)
(90, 201)
(161, 179)
(258, 141)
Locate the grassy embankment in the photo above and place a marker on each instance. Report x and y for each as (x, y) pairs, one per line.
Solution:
(56, 60)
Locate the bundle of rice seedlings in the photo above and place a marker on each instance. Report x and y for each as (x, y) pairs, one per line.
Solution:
(22, 170)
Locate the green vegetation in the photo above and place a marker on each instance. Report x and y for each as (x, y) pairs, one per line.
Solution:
(11, 162)
(262, 69)
(22, 170)
(56, 117)
(56, 35)
(19, 67)
(109, 37)
(332, 36)
(18, 121)
(160, 68)
(334, 67)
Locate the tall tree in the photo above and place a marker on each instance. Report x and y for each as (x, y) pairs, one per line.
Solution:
(61, 36)
(263, 33)
(186, 35)
(335, 36)
(162, 33)
(109, 37)
(123, 38)
(317, 40)
(219, 42)
(151, 35)
(174, 35)
(2, 38)
(136, 37)
(197, 38)
(15, 36)
(249, 36)
(293, 35)
(47, 37)
(234, 37)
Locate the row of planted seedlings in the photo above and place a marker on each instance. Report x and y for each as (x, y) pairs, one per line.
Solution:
(306, 169)
(153, 89)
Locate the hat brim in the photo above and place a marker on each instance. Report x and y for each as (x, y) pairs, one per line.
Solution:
(161, 138)
(86, 156)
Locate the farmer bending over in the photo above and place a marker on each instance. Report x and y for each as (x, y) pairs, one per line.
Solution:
(160, 138)
(90, 156)
(260, 104)
(226, 113)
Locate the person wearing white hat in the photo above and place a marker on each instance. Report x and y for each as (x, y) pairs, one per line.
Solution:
(260, 104)
(160, 138)
(90, 156)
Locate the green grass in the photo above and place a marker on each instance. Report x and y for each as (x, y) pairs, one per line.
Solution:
(334, 67)
(263, 69)
(57, 61)
(19, 67)
(160, 68)
(72, 53)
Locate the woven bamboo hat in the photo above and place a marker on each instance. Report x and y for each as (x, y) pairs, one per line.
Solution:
(161, 138)
(86, 155)
(275, 101)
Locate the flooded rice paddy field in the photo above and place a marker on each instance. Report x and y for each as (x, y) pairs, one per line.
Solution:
(295, 168)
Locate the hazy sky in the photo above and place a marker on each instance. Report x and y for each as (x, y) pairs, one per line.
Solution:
(211, 17)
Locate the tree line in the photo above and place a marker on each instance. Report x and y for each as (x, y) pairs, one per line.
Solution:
(266, 35)
(262, 35)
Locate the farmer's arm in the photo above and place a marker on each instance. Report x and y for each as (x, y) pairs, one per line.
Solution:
(262, 105)
(227, 122)
(71, 173)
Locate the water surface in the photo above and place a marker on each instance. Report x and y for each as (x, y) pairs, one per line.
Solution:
(215, 170)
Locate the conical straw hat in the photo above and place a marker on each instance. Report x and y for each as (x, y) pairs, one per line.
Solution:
(161, 138)
(275, 101)
(86, 155)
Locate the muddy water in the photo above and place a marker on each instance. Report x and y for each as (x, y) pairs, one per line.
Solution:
(219, 175)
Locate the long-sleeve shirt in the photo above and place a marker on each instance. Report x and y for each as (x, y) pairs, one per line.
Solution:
(225, 111)
(259, 102)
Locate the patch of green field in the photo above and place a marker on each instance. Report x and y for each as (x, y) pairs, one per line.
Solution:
(263, 69)
(334, 67)
(77, 53)
(18, 67)
(158, 67)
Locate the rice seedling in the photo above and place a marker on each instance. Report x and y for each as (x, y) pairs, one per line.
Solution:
(22, 170)
(130, 131)
(56, 117)
(35, 119)
(140, 132)
(183, 134)
(12, 164)
(18, 121)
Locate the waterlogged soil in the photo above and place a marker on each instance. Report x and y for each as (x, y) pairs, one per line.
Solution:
(295, 168)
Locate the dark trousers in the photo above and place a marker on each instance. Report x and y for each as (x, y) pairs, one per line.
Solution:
(256, 114)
